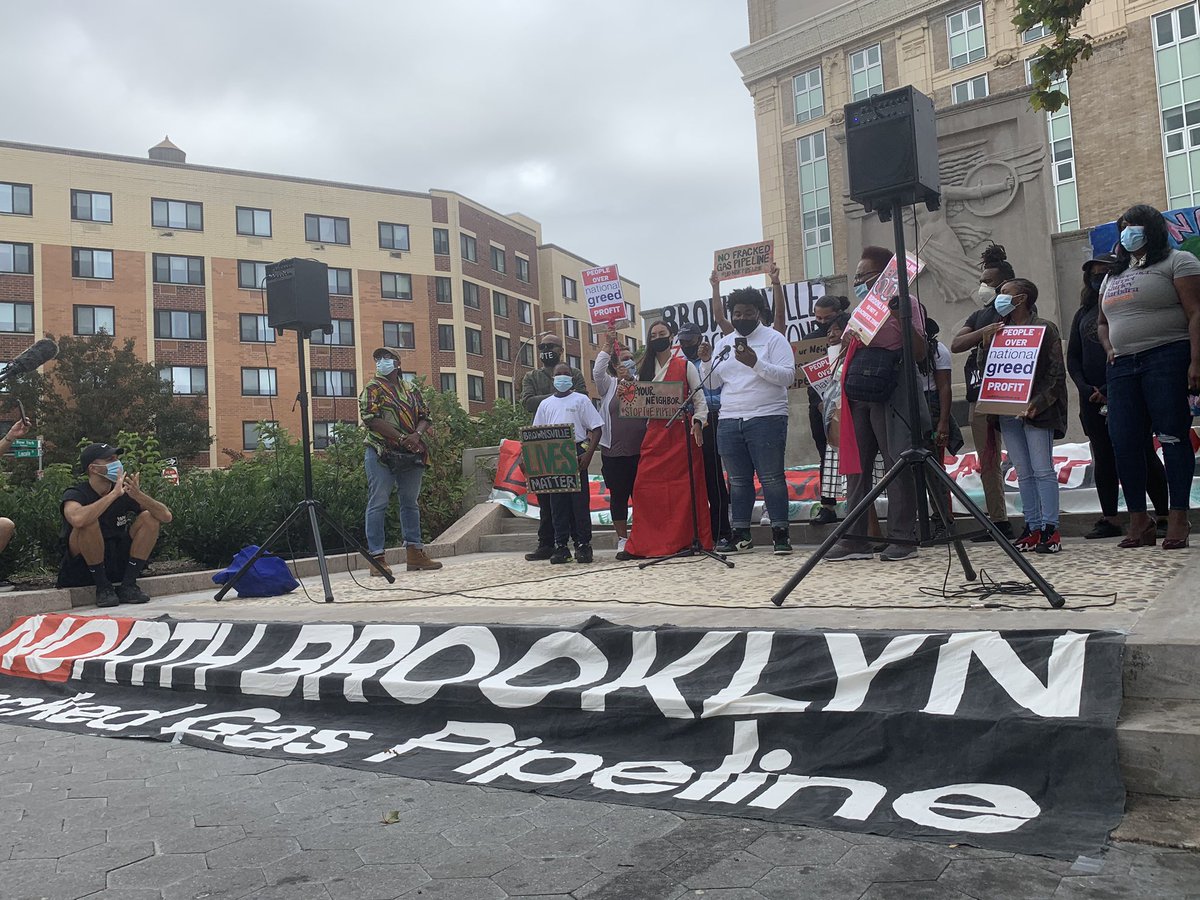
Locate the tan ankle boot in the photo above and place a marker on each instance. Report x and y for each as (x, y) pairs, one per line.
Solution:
(418, 561)
(382, 560)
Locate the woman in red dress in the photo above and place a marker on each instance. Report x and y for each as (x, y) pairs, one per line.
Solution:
(662, 508)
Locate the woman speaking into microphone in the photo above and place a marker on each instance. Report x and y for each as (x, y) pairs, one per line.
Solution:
(661, 492)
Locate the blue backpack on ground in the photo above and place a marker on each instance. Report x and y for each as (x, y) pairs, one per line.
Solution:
(268, 577)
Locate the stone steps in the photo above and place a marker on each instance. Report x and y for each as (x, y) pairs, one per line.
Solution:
(1159, 746)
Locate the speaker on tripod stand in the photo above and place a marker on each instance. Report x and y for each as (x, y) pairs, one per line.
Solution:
(892, 162)
(298, 300)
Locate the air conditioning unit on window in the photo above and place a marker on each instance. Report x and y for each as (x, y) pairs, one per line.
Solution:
(396, 254)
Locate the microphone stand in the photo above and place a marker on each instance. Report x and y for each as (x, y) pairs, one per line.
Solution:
(695, 548)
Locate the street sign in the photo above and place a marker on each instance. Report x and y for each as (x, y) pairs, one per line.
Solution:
(26, 443)
(26, 453)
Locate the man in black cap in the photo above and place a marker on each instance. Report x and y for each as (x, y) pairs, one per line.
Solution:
(110, 526)
(690, 337)
(536, 387)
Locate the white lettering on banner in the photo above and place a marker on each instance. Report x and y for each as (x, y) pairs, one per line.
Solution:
(279, 678)
(661, 685)
(1059, 697)
(652, 777)
(476, 639)
(854, 674)
(213, 658)
(234, 730)
(864, 796)
(184, 634)
(736, 699)
(576, 766)
(49, 654)
(19, 640)
(478, 736)
(401, 638)
(1007, 810)
(152, 635)
(739, 759)
(591, 664)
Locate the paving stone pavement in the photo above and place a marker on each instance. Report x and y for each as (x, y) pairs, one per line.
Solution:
(87, 816)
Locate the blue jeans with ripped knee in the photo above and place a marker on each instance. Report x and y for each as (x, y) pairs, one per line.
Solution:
(1147, 391)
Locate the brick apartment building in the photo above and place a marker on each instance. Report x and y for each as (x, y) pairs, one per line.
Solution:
(172, 255)
(1128, 135)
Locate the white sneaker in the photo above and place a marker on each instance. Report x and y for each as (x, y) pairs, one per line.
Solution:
(766, 518)
(621, 544)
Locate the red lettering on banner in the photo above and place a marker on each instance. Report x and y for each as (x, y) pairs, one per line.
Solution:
(45, 647)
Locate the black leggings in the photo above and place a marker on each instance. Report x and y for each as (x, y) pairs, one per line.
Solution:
(619, 473)
(1104, 462)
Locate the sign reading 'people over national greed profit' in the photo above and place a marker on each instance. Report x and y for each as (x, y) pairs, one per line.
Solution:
(747, 259)
(818, 372)
(602, 290)
(868, 317)
(549, 458)
(650, 399)
(1007, 385)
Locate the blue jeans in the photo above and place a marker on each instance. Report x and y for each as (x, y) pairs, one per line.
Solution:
(380, 481)
(755, 445)
(1031, 450)
(1147, 391)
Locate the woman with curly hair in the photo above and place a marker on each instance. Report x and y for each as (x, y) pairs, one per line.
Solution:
(1149, 325)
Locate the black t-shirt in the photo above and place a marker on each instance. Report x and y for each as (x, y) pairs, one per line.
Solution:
(114, 521)
(981, 318)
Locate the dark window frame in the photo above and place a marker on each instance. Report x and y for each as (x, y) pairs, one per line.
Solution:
(500, 300)
(253, 445)
(472, 382)
(316, 223)
(77, 263)
(167, 315)
(318, 389)
(14, 185)
(392, 226)
(398, 330)
(466, 241)
(440, 282)
(474, 347)
(191, 379)
(506, 356)
(471, 295)
(259, 284)
(522, 268)
(524, 312)
(260, 370)
(92, 308)
(335, 288)
(502, 269)
(343, 327)
(237, 221)
(199, 260)
(77, 193)
(441, 242)
(269, 331)
(394, 292)
(443, 331)
(28, 257)
(452, 387)
(28, 307)
(187, 214)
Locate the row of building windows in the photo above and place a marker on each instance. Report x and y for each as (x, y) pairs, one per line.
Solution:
(966, 40)
(187, 215)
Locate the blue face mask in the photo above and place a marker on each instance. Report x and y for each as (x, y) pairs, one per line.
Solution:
(563, 383)
(385, 365)
(1133, 238)
(1004, 305)
(113, 470)
(861, 291)
(630, 366)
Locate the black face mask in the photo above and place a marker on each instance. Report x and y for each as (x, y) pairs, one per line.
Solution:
(659, 344)
(1096, 281)
(744, 326)
(690, 351)
(549, 354)
(822, 330)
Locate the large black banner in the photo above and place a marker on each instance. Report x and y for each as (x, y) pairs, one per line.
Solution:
(997, 739)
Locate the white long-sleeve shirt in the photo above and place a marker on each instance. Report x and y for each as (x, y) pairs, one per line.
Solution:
(750, 393)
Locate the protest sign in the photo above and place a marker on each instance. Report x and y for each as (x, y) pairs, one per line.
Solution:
(868, 317)
(602, 290)
(810, 350)
(746, 259)
(818, 372)
(798, 300)
(650, 399)
(549, 459)
(1007, 385)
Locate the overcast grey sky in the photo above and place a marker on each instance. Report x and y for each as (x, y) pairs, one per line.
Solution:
(621, 125)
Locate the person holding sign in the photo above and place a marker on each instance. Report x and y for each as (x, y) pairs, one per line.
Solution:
(1150, 325)
(1029, 435)
(571, 512)
(7, 528)
(661, 492)
(621, 440)
(756, 368)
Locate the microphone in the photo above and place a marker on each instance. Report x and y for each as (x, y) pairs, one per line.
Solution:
(724, 354)
(33, 358)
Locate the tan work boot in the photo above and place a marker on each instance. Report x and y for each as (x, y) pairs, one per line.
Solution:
(381, 559)
(418, 561)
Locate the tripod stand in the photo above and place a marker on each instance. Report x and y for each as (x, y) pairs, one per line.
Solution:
(308, 506)
(696, 548)
(920, 462)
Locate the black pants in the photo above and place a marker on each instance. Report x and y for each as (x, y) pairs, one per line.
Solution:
(546, 521)
(816, 424)
(619, 474)
(714, 480)
(572, 517)
(1104, 462)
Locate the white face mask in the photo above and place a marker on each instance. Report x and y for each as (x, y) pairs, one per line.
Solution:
(985, 295)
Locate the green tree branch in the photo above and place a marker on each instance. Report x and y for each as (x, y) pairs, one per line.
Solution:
(1056, 59)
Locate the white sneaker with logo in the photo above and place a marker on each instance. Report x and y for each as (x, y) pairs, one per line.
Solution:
(621, 544)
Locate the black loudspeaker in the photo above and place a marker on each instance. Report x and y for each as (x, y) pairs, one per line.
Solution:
(298, 296)
(891, 150)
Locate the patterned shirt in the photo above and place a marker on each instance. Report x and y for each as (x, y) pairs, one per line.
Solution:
(400, 405)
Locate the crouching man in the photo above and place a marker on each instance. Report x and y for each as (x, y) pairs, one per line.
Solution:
(110, 525)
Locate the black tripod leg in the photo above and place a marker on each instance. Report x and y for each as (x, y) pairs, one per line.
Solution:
(322, 564)
(944, 512)
(351, 542)
(1054, 597)
(262, 550)
(843, 528)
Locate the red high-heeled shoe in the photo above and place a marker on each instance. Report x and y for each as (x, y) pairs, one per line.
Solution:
(1178, 543)
(1147, 538)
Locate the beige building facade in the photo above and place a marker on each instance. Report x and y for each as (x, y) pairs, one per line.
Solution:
(172, 255)
(1130, 134)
